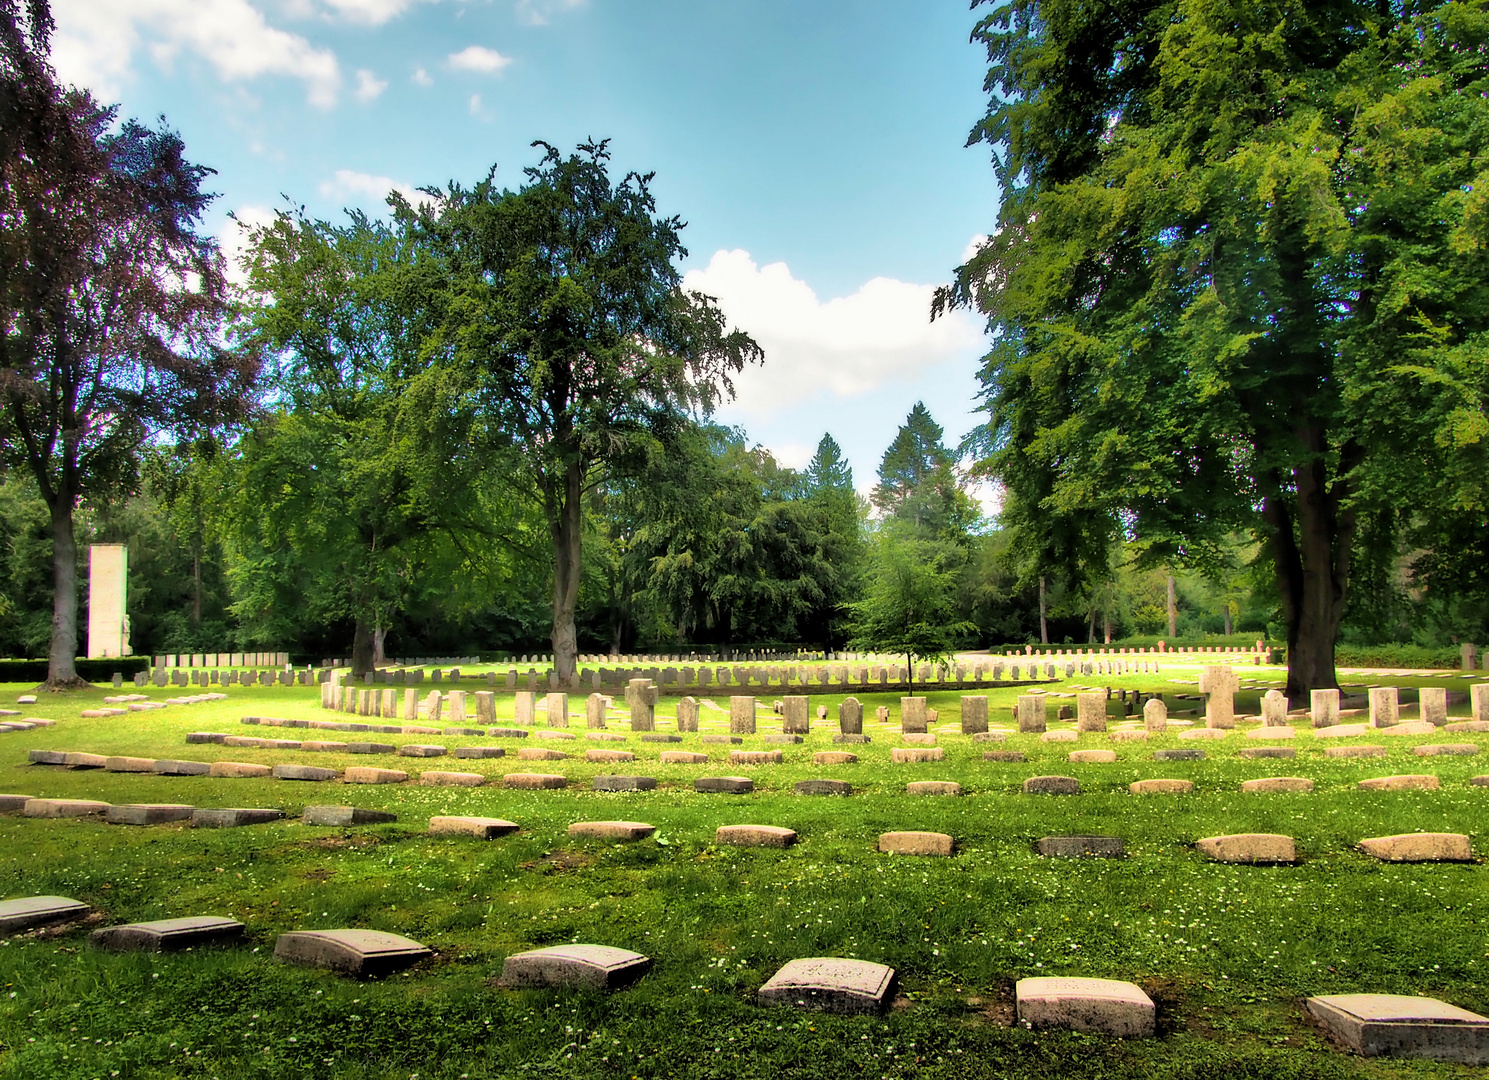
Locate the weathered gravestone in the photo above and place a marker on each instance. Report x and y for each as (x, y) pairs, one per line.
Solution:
(1094, 1006)
(830, 984)
(167, 934)
(974, 714)
(1323, 705)
(1274, 709)
(687, 714)
(850, 717)
(368, 953)
(1394, 1025)
(1385, 706)
(795, 715)
(1219, 685)
(913, 718)
(1434, 705)
(594, 711)
(741, 715)
(1032, 712)
(1090, 712)
(526, 706)
(591, 967)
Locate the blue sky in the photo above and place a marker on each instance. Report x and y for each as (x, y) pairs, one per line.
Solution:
(815, 149)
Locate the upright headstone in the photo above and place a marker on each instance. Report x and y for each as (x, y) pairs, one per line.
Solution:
(687, 714)
(1478, 701)
(1385, 706)
(1274, 709)
(1434, 704)
(1324, 707)
(1469, 656)
(974, 714)
(558, 710)
(1090, 712)
(850, 717)
(643, 709)
(390, 704)
(525, 706)
(485, 707)
(913, 719)
(457, 706)
(594, 711)
(741, 715)
(410, 706)
(1032, 712)
(1219, 684)
(1155, 716)
(796, 718)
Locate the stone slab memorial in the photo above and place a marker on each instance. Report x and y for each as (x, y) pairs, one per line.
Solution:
(916, 843)
(724, 785)
(1032, 713)
(834, 757)
(363, 953)
(234, 817)
(1419, 848)
(310, 773)
(168, 935)
(823, 787)
(1409, 782)
(624, 783)
(1081, 847)
(341, 816)
(535, 781)
(1161, 786)
(755, 757)
(974, 714)
(1093, 1006)
(1090, 712)
(1278, 785)
(933, 787)
(1180, 754)
(479, 752)
(742, 715)
(360, 774)
(1092, 757)
(1433, 705)
(25, 912)
(445, 778)
(63, 808)
(1052, 785)
(1440, 749)
(687, 714)
(148, 813)
(1397, 1025)
(755, 836)
(682, 757)
(482, 828)
(589, 967)
(1354, 751)
(1323, 707)
(913, 716)
(1155, 716)
(1255, 848)
(1219, 684)
(912, 755)
(831, 985)
(1007, 756)
(1385, 706)
(796, 715)
(172, 767)
(618, 831)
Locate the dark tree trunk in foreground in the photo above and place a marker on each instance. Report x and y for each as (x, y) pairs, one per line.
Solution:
(566, 526)
(1311, 540)
(62, 671)
(362, 648)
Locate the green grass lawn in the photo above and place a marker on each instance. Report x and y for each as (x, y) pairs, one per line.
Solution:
(1227, 952)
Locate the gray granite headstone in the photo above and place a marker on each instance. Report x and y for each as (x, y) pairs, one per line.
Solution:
(594, 967)
(367, 953)
(624, 783)
(724, 785)
(830, 984)
(28, 911)
(1395, 1025)
(345, 815)
(147, 813)
(167, 934)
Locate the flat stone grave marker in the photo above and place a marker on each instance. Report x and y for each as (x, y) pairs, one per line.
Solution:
(755, 836)
(442, 778)
(483, 828)
(1094, 1006)
(1412, 782)
(28, 911)
(755, 757)
(1420, 847)
(480, 751)
(933, 787)
(148, 813)
(507, 733)
(61, 808)
(1074, 847)
(1161, 786)
(1275, 785)
(312, 773)
(166, 935)
(77, 760)
(724, 785)
(1354, 751)
(540, 753)
(238, 770)
(829, 984)
(1052, 785)
(366, 953)
(1099, 757)
(361, 774)
(10, 804)
(1255, 752)
(338, 816)
(612, 830)
(1396, 1025)
(911, 755)
(593, 967)
(1178, 755)
(1439, 749)
(823, 787)
(234, 817)
(682, 757)
(916, 843)
(624, 783)
(1004, 755)
(421, 750)
(535, 781)
(1249, 848)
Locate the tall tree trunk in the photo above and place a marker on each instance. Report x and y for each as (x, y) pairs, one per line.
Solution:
(1227, 619)
(379, 636)
(196, 587)
(1106, 627)
(1311, 540)
(1173, 611)
(565, 524)
(1091, 627)
(1044, 627)
(62, 673)
(361, 648)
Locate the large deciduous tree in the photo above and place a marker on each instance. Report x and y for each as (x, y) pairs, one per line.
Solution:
(1238, 280)
(568, 338)
(109, 298)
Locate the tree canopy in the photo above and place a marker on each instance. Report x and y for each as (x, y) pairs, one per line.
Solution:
(1237, 282)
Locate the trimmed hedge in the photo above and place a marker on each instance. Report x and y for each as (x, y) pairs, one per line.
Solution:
(95, 671)
(1444, 657)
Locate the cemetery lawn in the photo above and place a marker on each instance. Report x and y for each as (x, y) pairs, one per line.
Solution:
(1227, 952)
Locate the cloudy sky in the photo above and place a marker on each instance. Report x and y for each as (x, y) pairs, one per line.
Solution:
(816, 150)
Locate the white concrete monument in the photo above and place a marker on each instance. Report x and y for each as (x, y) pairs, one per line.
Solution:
(108, 622)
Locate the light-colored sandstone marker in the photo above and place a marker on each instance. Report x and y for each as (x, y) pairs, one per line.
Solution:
(910, 755)
(829, 984)
(1052, 785)
(147, 813)
(1094, 1006)
(755, 836)
(593, 967)
(933, 787)
(607, 756)
(1395, 1025)
(444, 778)
(368, 953)
(482, 828)
(1060, 736)
(62, 808)
(1420, 847)
(916, 843)
(682, 757)
(359, 774)
(834, 757)
(755, 757)
(1413, 782)
(1272, 785)
(1249, 848)
(340, 816)
(1354, 751)
(535, 781)
(1092, 757)
(313, 773)
(25, 912)
(129, 764)
(167, 934)
(612, 830)
(1438, 749)
(540, 753)
(1161, 787)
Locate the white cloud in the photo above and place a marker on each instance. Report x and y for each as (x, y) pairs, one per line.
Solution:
(974, 245)
(421, 77)
(232, 238)
(846, 346)
(370, 12)
(479, 59)
(96, 40)
(365, 189)
(475, 104)
(538, 12)
(369, 86)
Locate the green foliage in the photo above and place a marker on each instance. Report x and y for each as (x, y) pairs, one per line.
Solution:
(908, 606)
(1238, 269)
(918, 481)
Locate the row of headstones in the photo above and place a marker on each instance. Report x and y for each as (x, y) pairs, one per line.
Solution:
(220, 660)
(159, 677)
(1221, 684)
(1158, 650)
